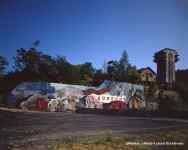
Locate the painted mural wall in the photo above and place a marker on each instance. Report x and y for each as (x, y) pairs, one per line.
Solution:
(89, 97)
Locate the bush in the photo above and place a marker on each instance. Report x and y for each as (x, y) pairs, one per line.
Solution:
(182, 89)
(166, 104)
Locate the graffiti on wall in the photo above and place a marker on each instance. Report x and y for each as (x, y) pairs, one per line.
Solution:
(131, 95)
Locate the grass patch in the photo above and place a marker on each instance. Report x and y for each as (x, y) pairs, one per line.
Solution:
(110, 142)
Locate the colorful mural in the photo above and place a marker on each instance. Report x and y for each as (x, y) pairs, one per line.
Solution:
(131, 95)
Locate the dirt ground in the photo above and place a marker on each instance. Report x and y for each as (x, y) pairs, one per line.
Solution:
(20, 128)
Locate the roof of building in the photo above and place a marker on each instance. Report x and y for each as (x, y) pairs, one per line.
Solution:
(165, 50)
(147, 68)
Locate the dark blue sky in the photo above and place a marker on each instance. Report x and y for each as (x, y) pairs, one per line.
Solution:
(96, 30)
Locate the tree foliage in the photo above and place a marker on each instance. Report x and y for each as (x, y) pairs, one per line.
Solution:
(182, 84)
(39, 66)
(113, 69)
(34, 65)
(122, 70)
(3, 64)
(99, 77)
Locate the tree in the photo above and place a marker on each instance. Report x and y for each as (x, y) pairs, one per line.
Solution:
(67, 72)
(132, 74)
(122, 70)
(36, 43)
(35, 65)
(99, 77)
(3, 64)
(124, 62)
(182, 84)
(27, 60)
(63, 68)
(124, 66)
(47, 68)
(113, 69)
(86, 69)
(118, 70)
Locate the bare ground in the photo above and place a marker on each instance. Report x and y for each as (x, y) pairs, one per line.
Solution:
(19, 128)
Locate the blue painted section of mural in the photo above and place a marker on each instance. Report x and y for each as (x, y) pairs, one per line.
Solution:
(35, 86)
(11, 100)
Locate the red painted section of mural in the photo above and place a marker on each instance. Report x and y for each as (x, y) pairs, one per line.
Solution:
(117, 105)
(98, 92)
(42, 104)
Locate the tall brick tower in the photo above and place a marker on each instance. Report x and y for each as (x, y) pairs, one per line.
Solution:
(166, 59)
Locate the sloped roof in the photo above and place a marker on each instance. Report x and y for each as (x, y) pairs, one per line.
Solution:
(164, 50)
(147, 68)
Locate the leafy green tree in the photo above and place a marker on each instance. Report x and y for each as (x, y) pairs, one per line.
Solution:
(86, 71)
(181, 85)
(67, 72)
(27, 60)
(36, 43)
(47, 68)
(122, 70)
(34, 64)
(124, 62)
(132, 74)
(113, 70)
(118, 70)
(123, 66)
(99, 77)
(73, 74)
(63, 68)
(3, 64)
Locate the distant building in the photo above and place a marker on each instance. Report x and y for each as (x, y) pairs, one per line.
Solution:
(147, 75)
(166, 59)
